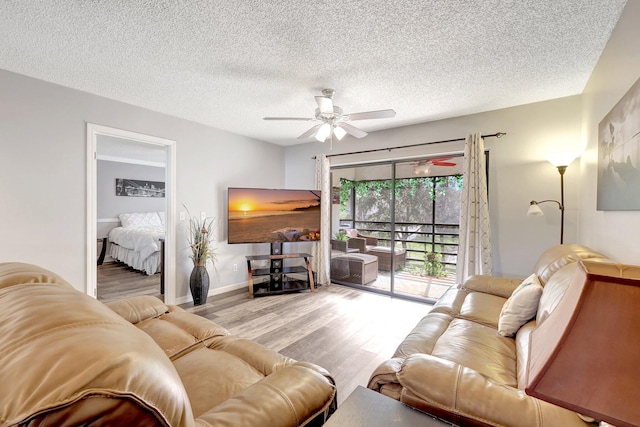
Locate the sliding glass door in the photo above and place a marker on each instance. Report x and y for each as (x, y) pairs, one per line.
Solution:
(361, 225)
(427, 215)
(401, 216)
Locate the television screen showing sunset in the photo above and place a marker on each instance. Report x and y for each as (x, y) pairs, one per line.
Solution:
(265, 215)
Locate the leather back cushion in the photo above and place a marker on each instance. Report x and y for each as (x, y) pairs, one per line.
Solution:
(556, 257)
(554, 291)
(17, 273)
(67, 358)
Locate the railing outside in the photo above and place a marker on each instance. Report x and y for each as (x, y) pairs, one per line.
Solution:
(420, 241)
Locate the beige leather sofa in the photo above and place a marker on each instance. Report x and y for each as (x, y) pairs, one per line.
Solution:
(69, 360)
(455, 365)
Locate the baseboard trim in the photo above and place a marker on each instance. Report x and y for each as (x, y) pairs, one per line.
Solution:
(216, 291)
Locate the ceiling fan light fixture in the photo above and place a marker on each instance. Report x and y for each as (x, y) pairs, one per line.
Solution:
(422, 169)
(323, 133)
(333, 120)
(339, 132)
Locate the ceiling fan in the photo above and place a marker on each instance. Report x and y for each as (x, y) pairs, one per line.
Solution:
(334, 121)
(423, 167)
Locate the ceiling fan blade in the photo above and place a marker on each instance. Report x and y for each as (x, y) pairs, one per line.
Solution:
(287, 118)
(441, 159)
(325, 104)
(352, 130)
(443, 164)
(310, 132)
(379, 114)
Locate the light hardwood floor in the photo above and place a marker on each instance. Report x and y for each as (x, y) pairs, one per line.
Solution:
(347, 331)
(117, 281)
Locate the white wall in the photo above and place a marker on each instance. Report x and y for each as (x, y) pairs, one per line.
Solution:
(43, 175)
(518, 172)
(615, 233)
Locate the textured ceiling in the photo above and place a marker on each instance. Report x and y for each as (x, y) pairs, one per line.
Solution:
(227, 64)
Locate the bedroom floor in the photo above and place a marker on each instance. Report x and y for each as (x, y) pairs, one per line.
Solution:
(117, 281)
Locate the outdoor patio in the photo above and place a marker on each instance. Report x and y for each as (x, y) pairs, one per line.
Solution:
(410, 284)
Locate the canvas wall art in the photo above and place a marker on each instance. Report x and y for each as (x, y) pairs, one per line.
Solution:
(139, 188)
(619, 155)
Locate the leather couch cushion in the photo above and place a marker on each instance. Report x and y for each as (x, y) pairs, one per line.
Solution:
(450, 302)
(124, 378)
(423, 337)
(197, 368)
(138, 308)
(479, 347)
(482, 308)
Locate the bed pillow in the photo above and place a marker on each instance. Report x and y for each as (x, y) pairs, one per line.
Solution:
(162, 217)
(521, 306)
(140, 220)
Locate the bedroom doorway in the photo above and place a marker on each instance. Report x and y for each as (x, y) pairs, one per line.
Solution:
(112, 152)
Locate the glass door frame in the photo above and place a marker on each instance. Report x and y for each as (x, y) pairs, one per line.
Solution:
(392, 238)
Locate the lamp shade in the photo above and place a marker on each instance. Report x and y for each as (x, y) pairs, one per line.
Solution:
(339, 132)
(323, 132)
(562, 159)
(586, 355)
(534, 210)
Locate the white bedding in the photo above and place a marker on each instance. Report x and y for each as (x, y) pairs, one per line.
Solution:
(143, 240)
(137, 242)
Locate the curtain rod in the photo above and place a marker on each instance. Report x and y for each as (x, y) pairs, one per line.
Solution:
(493, 135)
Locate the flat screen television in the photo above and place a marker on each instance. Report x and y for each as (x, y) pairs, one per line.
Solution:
(261, 215)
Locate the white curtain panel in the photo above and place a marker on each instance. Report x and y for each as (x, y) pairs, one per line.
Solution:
(321, 252)
(474, 251)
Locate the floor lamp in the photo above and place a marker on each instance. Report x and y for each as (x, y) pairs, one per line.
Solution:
(561, 162)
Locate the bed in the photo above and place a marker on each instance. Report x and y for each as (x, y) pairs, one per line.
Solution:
(136, 242)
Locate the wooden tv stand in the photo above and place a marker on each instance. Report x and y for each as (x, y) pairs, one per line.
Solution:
(279, 278)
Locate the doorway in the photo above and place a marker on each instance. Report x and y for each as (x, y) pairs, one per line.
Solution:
(134, 148)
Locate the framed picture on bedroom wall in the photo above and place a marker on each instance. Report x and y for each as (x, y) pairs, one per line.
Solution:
(139, 188)
(619, 155)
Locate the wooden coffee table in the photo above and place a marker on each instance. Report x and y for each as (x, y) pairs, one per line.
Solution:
(366, 407)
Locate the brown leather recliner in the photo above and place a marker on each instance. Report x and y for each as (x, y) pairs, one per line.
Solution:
(67, 360)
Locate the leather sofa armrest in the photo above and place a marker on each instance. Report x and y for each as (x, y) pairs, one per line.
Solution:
(491, 285)
(290, 397)
(384, 379)
(451, 391)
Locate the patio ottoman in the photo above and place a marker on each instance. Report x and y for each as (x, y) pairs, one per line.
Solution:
(384, 257)
(355, 268)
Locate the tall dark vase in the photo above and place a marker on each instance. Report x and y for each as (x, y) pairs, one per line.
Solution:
(199, 284)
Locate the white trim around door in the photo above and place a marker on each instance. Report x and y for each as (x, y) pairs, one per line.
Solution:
(93, 131)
